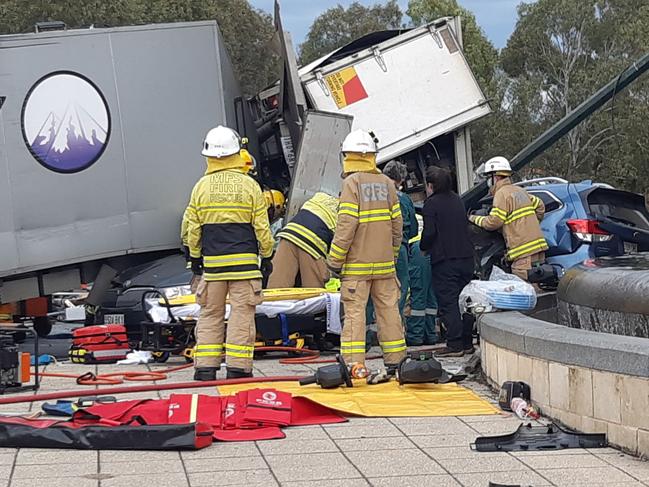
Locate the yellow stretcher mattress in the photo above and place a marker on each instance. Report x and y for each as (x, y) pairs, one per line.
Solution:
(388, 399)
(280, 294)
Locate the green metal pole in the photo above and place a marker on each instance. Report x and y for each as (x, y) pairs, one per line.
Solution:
(565, 125)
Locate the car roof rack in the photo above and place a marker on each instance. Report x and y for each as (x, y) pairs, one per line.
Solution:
(542, 181)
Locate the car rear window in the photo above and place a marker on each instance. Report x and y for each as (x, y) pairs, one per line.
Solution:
(551, 202)
(622, 206)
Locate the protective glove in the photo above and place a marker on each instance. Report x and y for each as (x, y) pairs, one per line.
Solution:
(266, 266)
(185, 250)
(334, 271)
(380, 376)
(197, 266)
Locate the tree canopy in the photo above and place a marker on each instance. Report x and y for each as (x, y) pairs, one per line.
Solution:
(560, 53)
(338, 26)
(246, 31)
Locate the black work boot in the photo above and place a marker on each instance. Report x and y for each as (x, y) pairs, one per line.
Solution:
(448, 352)
(236, 373)
(205, 373)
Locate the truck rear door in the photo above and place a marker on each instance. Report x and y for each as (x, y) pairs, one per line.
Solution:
(318, 158)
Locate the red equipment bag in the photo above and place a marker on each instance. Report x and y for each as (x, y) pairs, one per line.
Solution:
(255, 414)
(192, 408)
(267, 407)
(234, 427)
(99, 344)
(148, 411)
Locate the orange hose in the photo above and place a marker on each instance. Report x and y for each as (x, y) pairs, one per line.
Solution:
(311, 356)
(116, 378)
(90, 379)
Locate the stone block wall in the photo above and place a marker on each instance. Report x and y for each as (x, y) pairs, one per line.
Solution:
(583, 398)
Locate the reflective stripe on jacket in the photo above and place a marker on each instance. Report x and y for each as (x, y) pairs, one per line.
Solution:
(518, 214)
(183, 237)
(415, 239)
(227, 225)
(312, 228)
(369, 232)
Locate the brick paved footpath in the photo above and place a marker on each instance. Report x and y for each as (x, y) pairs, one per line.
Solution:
(364, 451)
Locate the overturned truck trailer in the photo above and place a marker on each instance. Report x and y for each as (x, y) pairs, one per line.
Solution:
(413, 88)
(100, 137)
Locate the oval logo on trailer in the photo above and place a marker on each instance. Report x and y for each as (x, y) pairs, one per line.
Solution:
(65, 122)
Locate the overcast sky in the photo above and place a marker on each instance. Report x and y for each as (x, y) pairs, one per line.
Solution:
(496, 17)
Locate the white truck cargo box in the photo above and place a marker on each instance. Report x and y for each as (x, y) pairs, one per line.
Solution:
(407, 89)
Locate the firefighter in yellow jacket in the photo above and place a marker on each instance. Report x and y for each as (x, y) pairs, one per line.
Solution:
(304, 244)
(518, 214)
(364, 251)
(227, 232)
(248, 168)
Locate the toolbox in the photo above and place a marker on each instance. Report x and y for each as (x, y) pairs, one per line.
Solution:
(99, 344)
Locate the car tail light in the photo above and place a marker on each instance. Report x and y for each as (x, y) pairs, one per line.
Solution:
(588, 231)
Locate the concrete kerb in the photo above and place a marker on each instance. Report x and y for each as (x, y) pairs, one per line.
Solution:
(555, 343)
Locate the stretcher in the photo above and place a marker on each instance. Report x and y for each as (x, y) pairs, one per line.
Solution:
(284, 318)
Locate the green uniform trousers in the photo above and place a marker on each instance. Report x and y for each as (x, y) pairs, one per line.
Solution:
(420, 325)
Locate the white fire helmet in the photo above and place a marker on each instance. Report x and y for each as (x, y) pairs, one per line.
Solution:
(359, 141)
(497, 165)
(221, 142)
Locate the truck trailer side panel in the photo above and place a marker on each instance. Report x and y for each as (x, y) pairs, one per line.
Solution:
(163, 88)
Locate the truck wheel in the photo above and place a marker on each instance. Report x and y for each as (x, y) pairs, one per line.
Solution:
(42, 325)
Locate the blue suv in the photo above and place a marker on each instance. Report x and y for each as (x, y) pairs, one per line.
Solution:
(587, 220)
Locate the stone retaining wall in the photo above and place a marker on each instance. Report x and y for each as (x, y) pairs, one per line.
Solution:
(593, 382)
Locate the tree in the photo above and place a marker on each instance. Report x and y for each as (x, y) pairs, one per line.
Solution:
(625, 38)
(563, 51)
(246, 31)
(338, 26)
(18, 16)
(550, 49)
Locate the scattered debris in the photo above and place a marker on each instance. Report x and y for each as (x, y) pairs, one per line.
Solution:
(521, 408)
(511, 389)
(545, 437)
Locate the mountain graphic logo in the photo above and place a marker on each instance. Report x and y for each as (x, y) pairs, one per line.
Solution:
(65, 122)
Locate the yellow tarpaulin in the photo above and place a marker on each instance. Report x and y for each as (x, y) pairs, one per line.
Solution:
(388, 399)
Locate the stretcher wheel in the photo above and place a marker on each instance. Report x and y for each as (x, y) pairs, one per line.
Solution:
(188, 353)
(42, 325)
(160, 357)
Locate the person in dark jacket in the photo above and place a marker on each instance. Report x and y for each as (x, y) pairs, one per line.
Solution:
(445, 239)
